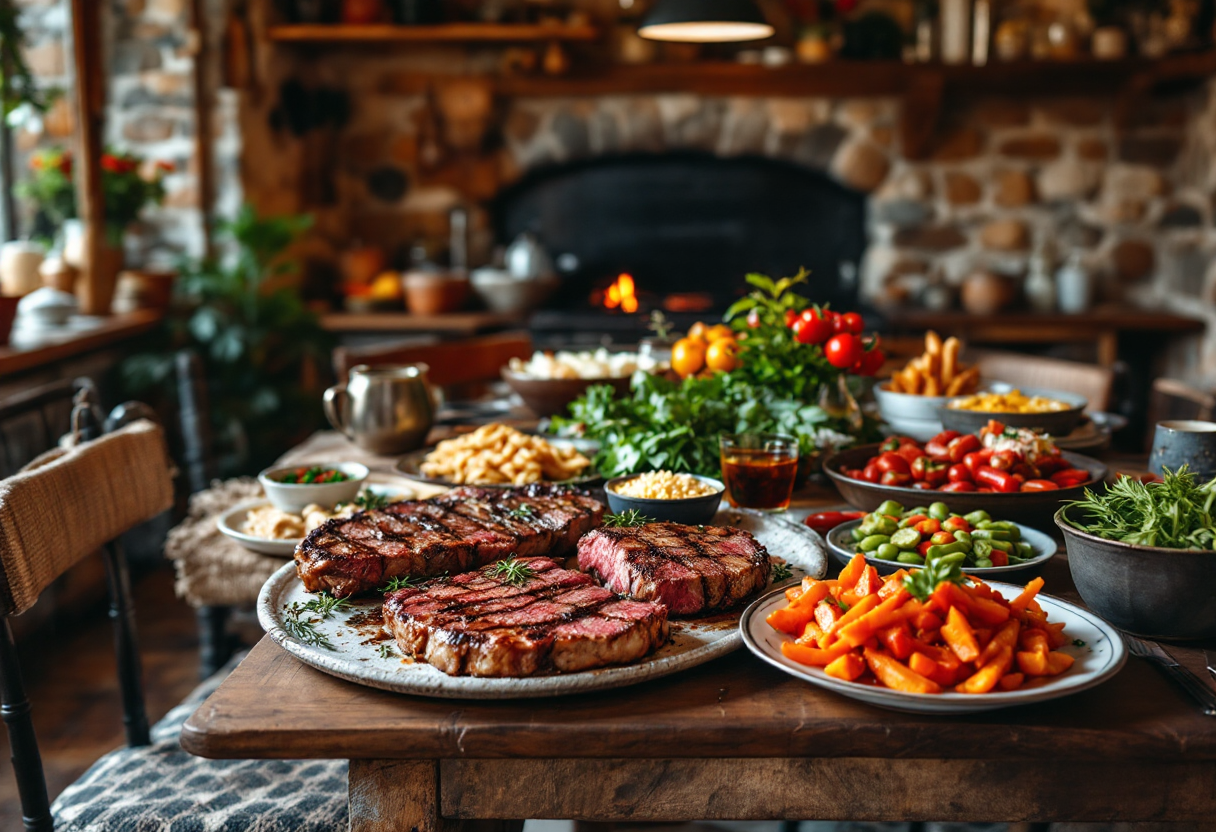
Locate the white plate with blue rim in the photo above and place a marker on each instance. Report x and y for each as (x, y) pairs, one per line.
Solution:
(1096, 646)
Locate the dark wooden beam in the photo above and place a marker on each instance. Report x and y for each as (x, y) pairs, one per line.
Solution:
(90, 109)
(203, 105)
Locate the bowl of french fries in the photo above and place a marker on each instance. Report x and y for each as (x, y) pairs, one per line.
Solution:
(911, 400)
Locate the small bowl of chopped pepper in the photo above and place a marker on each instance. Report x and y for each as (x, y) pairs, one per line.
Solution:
(293, 487)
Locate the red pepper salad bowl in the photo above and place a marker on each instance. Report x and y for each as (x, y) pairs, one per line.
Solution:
(1035, 509)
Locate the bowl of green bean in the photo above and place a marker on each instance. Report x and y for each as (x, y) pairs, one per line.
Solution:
(895, 537)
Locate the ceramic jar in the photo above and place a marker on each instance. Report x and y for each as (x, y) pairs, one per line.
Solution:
(19, 264)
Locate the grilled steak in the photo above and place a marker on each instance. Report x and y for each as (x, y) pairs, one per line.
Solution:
(687, 568)
(484, 624)
(457, 531)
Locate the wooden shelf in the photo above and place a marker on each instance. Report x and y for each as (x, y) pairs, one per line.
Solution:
(441, 33)
(457, 323)
(51, 345)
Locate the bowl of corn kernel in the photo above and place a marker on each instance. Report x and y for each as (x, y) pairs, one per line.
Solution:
(666, 496)
(1049, 411)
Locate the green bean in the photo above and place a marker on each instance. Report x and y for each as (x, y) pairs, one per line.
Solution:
(939, 511)
(857, 534)
(947, 549)
(984, 563)
(911, 558)
(957, 557)
(1025, 550)
(963, 537)
(872, 542)
(1003, 545)
(977, 517)
(906, 538)
(990, 534)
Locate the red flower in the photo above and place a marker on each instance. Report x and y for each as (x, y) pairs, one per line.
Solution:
(65, 164)
(111, 163)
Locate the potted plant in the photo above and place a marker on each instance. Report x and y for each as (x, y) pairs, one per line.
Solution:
(129, 183)
(263, 351)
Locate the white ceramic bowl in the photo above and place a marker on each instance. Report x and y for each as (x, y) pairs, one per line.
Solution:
(507, 295)
(906, 406)
(293, 497)
(922, 430)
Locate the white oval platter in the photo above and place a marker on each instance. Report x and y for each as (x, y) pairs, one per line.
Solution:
(1098, 649)
(360, 652)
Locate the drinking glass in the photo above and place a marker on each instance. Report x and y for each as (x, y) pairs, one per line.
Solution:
(759, 470)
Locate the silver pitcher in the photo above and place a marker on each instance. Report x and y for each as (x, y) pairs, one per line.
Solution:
(385, 410)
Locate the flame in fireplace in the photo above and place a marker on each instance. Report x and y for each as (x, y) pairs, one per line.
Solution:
(621, 294)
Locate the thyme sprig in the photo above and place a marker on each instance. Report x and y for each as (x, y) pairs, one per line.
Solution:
(304, 628)
(386, 650)
(780, 572)
(325, 604)
(626, 519)
(512, 571)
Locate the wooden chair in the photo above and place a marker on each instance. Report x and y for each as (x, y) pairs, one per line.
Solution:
(99, 489)
(451, 363)
(1172, 399)
(32, 421)
(1091, 381)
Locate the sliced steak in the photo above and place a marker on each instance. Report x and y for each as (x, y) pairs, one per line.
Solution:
(455, 532)
(688, 569)
(553, 619)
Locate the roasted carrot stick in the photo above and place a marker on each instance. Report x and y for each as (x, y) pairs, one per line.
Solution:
(1024, 598)
(960, 637)
(898, 676)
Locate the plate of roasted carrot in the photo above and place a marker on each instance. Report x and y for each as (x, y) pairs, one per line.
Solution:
(932, 640)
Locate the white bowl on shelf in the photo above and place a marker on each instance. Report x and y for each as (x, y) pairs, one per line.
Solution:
(508, 295)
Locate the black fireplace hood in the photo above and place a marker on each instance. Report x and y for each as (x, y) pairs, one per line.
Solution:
(688, 222)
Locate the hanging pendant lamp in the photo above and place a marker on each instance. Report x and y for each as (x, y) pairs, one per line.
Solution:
(705, 21)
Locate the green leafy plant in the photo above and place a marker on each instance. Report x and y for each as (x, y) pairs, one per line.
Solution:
(922, 582)
(676, 425)
(259, 344)
(18, 85)
(1175, 513)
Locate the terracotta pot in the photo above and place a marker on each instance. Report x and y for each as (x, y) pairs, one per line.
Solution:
(8, 311)
(434, 293)
(143, 290)
(985, 293)
(96, 292)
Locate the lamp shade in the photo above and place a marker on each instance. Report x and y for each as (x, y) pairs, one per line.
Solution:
(705, 21)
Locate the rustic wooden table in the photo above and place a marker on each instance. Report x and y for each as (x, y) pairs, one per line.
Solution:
(733, 739)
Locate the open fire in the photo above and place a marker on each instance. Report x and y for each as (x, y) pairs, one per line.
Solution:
(622, 295)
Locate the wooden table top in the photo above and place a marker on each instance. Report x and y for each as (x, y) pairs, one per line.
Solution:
(274, 706)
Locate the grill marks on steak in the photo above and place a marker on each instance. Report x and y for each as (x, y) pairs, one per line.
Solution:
(688, 569)
(457, 531)
(557, 620)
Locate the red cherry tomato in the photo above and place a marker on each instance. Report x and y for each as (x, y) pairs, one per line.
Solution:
(850, 322)
(870, 363)
(814, 328)
(842, 351)
(958, 487)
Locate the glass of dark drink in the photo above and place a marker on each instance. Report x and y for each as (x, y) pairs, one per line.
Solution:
(759, 470)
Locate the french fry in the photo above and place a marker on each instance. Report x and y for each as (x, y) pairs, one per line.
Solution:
(950, 360)
(937, 371)
(932, 386)
(933, 343)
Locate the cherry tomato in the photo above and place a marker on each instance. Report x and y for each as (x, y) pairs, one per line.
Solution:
(959, 473)
(956, 524)
(812, 328)
(929, 527)
(942, 538)
(893, 462)
(921, 485)
(958, 487)
(871, 473)
(826, 521)
(895, 478)
(753, 319)
(842, 351)
(870, 363)
(790, 317)
(850, 322)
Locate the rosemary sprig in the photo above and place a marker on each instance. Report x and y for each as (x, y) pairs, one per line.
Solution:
(386, 650)
(780, 572)
(626, 519)
(512, 571)
(325, 604)
(399, 582)
(302, 628)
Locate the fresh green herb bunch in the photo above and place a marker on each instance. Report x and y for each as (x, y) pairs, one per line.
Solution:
(922, 582)
(1173, 514)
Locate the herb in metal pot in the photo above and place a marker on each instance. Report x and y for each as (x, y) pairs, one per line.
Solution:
(1175, 513)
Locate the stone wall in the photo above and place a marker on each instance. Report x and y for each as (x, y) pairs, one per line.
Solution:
(150, 109)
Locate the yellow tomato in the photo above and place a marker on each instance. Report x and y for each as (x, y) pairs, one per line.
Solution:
(722, 355)
(717, 332)
(697, 332)
(687, 356)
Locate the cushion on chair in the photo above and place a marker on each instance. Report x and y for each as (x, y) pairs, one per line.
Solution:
(161, 788)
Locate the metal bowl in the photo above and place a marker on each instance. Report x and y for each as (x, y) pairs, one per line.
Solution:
(691, 511)
(1146, 590)
(1035, 509)
(552, 396)
(1059, 423)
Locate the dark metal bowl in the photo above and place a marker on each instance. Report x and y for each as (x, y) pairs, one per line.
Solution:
(1059, 423)
(1035, 509)
(692, 511)
(552, 396)
(1146, 590)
